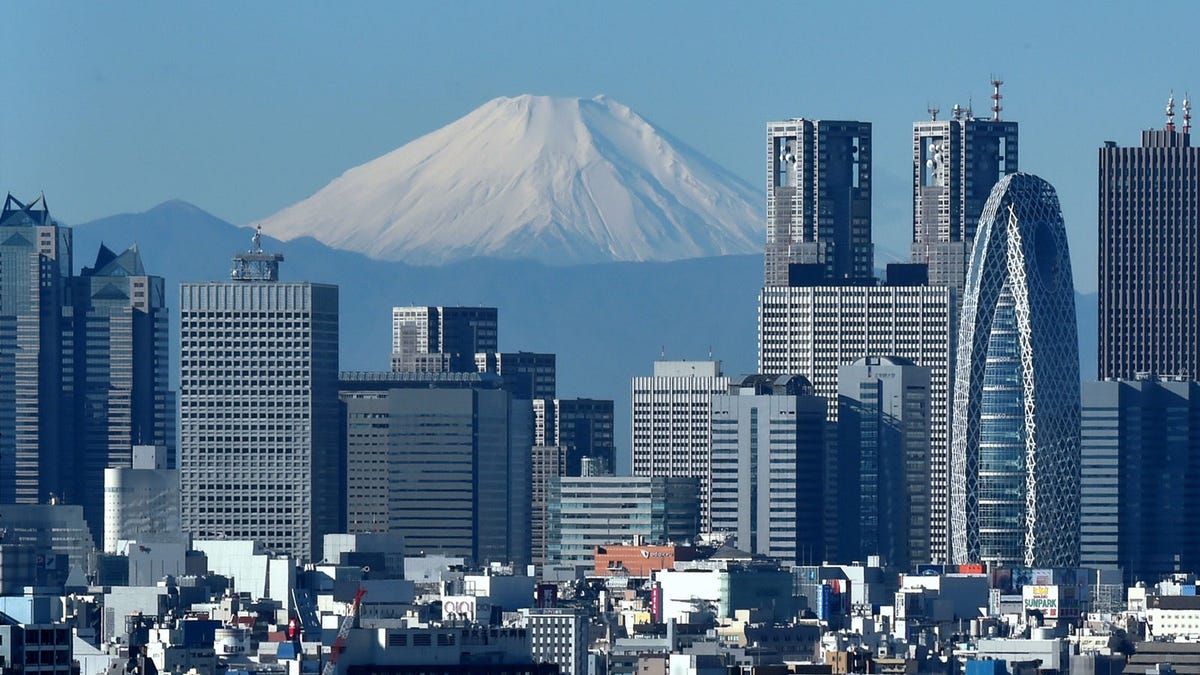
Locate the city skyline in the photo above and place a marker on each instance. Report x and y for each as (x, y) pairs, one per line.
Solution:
(161, 130)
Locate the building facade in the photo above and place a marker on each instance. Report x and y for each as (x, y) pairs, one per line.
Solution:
(442, 459)
(36, 425)
(588, 512)
(441, 339)
(121, 392)
(956, 162)
(526, 375)
(818, 200)
(1015, 445)
(258, 443)
(584, 426)
(671, 414)
(884, 421)
(1149, 264)
(1140, 465)
(768, 436)
(141, 501)
(814, 330)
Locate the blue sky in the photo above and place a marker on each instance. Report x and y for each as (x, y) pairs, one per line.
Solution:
(246, 108)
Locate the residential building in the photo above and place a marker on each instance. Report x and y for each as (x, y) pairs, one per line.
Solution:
(767, 436)
(141, 502)
(1015, 446)
(671, 415)
(956, 162)
(441, 339)
(1149, 265)
(814, 330)
(526, 375)
(442, 459)
(259, 419)
(1139, 477)
(818, 200)
(588, 512)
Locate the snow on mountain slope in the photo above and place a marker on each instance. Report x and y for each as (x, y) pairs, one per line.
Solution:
(559, 180)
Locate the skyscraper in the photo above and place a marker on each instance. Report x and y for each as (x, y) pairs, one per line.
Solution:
(584, 426)
(121, 395)
(259, 415)
(442, 459)
(818, 200)
(1150, 255)
(1015, 443)
(441, 339)
(768, 445)
(36, 448)
(526, 375)
(956, 162)
(1140, 477)
(813, 330)
(884, 417)
(671, 413)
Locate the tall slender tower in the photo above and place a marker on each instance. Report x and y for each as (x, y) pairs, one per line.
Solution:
(1150, 255)
(36, 450)
(1015, 461)
(818, 200)
(956, 162)
(258, 401)
(121, 394)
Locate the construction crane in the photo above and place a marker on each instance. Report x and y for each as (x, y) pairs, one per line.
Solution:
(339, 645)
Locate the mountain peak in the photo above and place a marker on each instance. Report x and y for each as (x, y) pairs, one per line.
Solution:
(560, 180)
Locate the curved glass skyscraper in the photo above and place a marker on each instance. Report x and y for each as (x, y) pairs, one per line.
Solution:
(1014, 493)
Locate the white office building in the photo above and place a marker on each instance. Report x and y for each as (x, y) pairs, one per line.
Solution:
(258, 438)
(814, 330)
(142, 501)
(671, 413)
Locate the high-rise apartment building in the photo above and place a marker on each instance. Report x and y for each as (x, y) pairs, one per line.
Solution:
(768, 440)
(956, 162)
(121, 393)
(526, 375)
(1149, 262)
(584, 426)
(1015, 443)
(441, 339)
(1140, 477)
(259, 453)
(814, 330)
(818, 200)
(548, 463)
(671, 414)
(37, 452)
(442, 459)
(884, 417)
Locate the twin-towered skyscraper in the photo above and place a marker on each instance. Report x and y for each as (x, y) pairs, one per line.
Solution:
(1015, 436)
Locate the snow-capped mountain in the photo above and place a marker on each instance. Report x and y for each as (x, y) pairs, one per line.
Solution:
(559, 180)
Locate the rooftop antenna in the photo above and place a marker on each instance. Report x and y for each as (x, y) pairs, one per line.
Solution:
(1171, 111)
(970, 112)
(996, 96)
(933, 111)
(1187, 114)
(957, 111)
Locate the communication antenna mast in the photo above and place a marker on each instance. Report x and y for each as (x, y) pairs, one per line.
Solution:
(1187, 114)
(1171, 111)
(933, 111)
(996, 97)
(956, 112)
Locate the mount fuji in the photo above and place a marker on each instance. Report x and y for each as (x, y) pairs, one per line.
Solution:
(558, 180)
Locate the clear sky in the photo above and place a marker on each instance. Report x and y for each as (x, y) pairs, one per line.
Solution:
(244, 108)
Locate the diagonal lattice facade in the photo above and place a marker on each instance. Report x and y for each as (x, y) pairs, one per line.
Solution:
(1014, 487)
